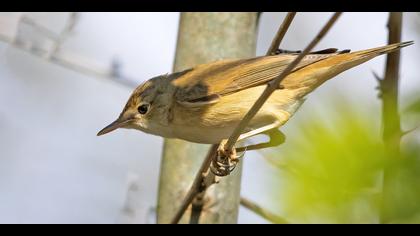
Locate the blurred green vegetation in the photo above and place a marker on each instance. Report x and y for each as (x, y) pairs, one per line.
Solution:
(330, 170)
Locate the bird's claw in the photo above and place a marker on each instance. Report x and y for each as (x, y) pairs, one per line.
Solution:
(225, 162)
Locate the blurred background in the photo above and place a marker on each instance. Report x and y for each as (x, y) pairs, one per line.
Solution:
(56, 94)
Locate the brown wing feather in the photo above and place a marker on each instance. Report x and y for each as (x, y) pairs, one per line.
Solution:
(229, 76)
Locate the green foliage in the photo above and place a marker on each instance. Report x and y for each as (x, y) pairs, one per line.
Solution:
(404, 182)
(414, 107)
(331, 171)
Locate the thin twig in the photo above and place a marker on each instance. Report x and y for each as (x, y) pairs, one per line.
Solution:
(273, 85)
(195, 188)
(39, 28)
(280, 33)
(197, 207)
(410, 130)
(63, 59)
(64, 34)
(252, 206)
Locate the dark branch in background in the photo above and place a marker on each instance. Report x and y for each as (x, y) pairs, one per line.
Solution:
(208, 175)
(391, 125)
(389, 88)
(252, 206)
(275, 44)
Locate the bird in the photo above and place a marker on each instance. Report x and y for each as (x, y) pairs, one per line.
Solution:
(205, 103)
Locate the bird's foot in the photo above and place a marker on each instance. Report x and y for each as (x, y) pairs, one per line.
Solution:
(226, 160)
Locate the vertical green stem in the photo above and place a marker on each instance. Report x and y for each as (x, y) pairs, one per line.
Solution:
(390, 115)
(390, 84)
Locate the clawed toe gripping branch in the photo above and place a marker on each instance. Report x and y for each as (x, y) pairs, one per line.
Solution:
(225, 160)
(222, 159)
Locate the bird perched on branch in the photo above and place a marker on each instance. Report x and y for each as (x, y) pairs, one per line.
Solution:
(204, 104)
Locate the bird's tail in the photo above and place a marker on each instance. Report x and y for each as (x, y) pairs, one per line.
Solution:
(307, 79)
(373, 52)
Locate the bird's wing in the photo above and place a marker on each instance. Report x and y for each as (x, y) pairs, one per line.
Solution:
(206, 83)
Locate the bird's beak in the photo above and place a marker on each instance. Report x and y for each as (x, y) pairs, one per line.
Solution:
(119, 123)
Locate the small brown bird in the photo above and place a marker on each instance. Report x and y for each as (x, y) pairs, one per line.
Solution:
(204, 104)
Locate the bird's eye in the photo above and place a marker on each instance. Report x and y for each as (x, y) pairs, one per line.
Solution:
(143, 109)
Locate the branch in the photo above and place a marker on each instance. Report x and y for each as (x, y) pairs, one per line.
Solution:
(275, 44)
(197, 185)
(67, 30)
(403, 133)
(390, 116)
(252, 206)
(64, 59)
(389, 88)
(204, 170)
(273, 85)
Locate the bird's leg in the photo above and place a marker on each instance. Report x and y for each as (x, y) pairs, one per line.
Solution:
(227, 160)
(276, 138)
(259, 131)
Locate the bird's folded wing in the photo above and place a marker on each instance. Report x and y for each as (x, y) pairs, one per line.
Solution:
(224, 77)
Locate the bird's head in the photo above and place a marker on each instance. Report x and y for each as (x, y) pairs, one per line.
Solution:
(142, 109)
